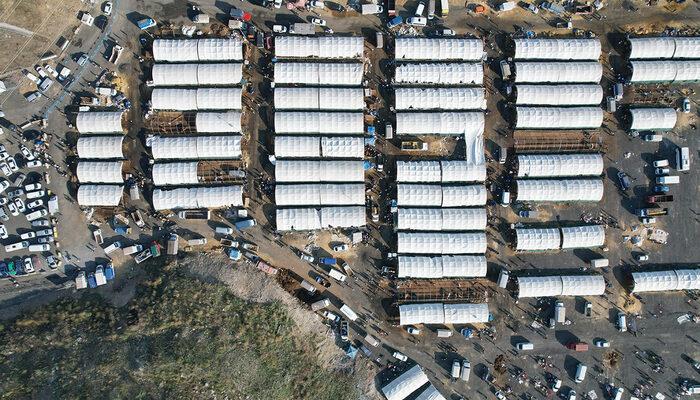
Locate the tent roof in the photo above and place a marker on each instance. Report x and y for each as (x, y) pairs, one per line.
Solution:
(100, 195)
(405, 384)
(440, 196)
(567, 285)
(439, 313)
(198, 197)
(99, 122)
(557, 49)
(541, 190)
(319, 171)
(583, 236)
(441, 243)
(332, 47)
(178, 50)
(340, 74)
(300, 219)
(320, 194)
(196, 147)
(558, 72)
(440, 73)
(196, 99)
(559, 95)
(310, 98)
(443, 123)
(653, 119)
(442, 267)
(664, 47)
(431, 393)
(314, 123)
(197, 74)
(657, 281)
(440, 98)
(537, 239)
(218, 122)
(100, 171)
(553, 165)
(665, 71)
(100, 147)
(440, 49)
(441, 219)
(558, 117)
(179, 173)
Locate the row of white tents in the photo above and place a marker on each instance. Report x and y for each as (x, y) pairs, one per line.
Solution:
(443, 313)
(571, 166)
(443, 171)
(664, 59)
(571, 237)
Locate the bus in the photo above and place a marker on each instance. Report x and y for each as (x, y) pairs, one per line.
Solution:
(682, 159)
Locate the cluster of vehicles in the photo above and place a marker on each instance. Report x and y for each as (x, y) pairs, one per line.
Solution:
(92, 280)
(26, 265)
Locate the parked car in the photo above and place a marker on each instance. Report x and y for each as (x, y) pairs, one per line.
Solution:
(32, 186)
(660, 163)
(3, 214)
(648, 220)
(340, 247)
(19, 179)
(13, 209)
(277, 28)
(306, 257)
(3, 232)
(35, 204)
(652, 138)
(642, 257)
(107, 8)
(3, 200)
(52, 262)
(34, 164)
(5, 169)
(20, 204)
(40, 223)
(686, 105)
(413, 331)
(45, 232)
(45, 239)
(556, 385)
(661, 189)
(601, 343)
(662, 171)
(318, 21)
(417, 21)
(344, 330)
(27, 235)
(330, 315)
(4, 185)
(28, 265)
(12, 164)
(625, 182)
(28, 155)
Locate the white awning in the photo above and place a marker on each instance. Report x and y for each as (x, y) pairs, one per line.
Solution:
(298, 219)
(418, 171)
(343, 217)
(324, 194)
(308, 98)
(297, 146)
(343, 74)
(440, 99)
(442, 267)
(441, 219)
(431, 393)
(100, 195)
(559, 117)
(100, 147)
(184, 173)
(560, 190)
(440, 314)
(100, 172)
(555, 165)
(199, 197)
(440, 49)
(196, 99)
(558, 72)
(197, 74)
(665, 71)
(218, 122)
(557, 49)
(661, 281)
(196, 147)
(444, 123)
(405, 384)
(653, 119)
(319, 171)
(441, 243)
(559, 95)
(664, 47)
(570, 285)
(176, 50)
(99, 122)
(440, 73)
(537, 239)
(333, 47)
(315, 123)
(584, 236)
(457, 314)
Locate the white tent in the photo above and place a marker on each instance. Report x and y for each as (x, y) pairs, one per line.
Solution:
(440, 314)
(653, 119)
(99, 122)
(314, 123)
(408, 195)
(342, 147)
(557, 49)
(418, 171)
(297, 146)
(341, 74)
(444, 123)
(405, 384)
(182, 173)
(665, 71)
(332, 47)
(100, 195)
(440, 73)
(431, 393)
(218, 122)
(100, 147)
(569, 285)
(537, 239)
(175, 50)
(324, 194)
(463, 171)
(662, 281)
(558, 72)
(440, 99)
(300, 219)
(100, 171)
(559, 117)
(308, 98)
(196, 147)
(464, 313)
(343, 217)
(559, 95)
(441, 49)
(319, 171)
(664, 47)
(441, 243)
(442, 267)
(560, 190)
(583, 236)
(196, 99)
(197, 74)
(554, 165)
(462, 196)
(199, 197)
(220, 49)
(441, 219)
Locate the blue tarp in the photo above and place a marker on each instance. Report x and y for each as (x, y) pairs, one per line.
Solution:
(109, 272)
(234, 254)
(351, 351)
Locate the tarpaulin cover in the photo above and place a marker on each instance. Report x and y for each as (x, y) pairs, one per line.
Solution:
(300, 219)
(440, 49)
(333, 47)
(442, 267)
(558, 72)
(99, 122)
(319, 171)
(440, 73)
(664, 47)
(431, 393)
(661, 281)
(557, 49)
(320, 194)
(441, 219)
(100, 147)
(196, 99)
(197, 74)
(538, 239)
(183, 173)
(100, 195)
(176, 50)
(441, 243)
(569, 285)
(559, 117)
(218, 122)
(199, 197)
(405, 384)
(100, 172)
(560, 190)
(340, 74)
(584, 236)
(444, 123)
(559, 95)
(308, 98)
(440, 99)
(653, 119)
(665, 71)
(196, 147)
(314, 123)
(555, 165)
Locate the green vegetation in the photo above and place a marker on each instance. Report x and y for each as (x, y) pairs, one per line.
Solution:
(179, 338)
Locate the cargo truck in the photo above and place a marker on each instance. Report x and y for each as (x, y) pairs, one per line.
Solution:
(100, 278)
(660, 198)
(321, 304)
(651, 212)
(665, 180)
(391, 8)
(369, 9)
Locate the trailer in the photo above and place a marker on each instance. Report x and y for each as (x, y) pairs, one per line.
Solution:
(391, 8)
(369, 9)
(97, 234)
(267, 268)
(662, 198)
(116, 53)
(577, 346)
(651, 212)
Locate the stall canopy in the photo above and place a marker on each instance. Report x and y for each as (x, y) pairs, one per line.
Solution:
(100, 172)
(196, 147)
(323, 194)
(197, 74)
(559, 95)
(581, 237)
(442, 49)
(537, 239)
(199, 197)
(431, 393)
(653, 119)
(319, 171)
(440, 99)
(218, 122)
(308, 98)
(664, 47)
(569, 285)
(100, 147)
(556, 165)
(440, 171)
(559, 117)
(301, 219)
(557, 49)
(558, 72)
(440, 73)
(444, 123)
(560, 190)
(196, 99)
(337, 74)
(183, 173)
(332, 47)
(442, 267)
(441, 243)
(188, 50)
(99, 122)
(410, 195)
(315, 123)
(665, 71)
(100, 195)
(440, 314)
(405, 384)
(441, 219)
(662, 281)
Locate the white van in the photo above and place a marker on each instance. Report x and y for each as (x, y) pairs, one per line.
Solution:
(444, 333)
(309, 287)
(660, 163)
(420, 9)
(16, 246)
(224, 230)
(665, 180)
(417, 21)
(505, 198)
(524, 346)
(112, 247)
(580, 373)
(335, 274)
(132, 249)
(400, 356)
(466, 370)
(621, 322)
(352, 316)
(321, 304)
(456, 368)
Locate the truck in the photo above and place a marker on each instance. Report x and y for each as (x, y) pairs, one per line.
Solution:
(136, 216)
(391, 8)
(327, 261)
(651, 212)
(301, 28)
(267, 268)
(665, 180)
(577, 346)
(505, 69)
(600, 262)
(553, 7)
(243, 224)
(146, 23)
(116, 53)
(132, 249)
(337, 275)
(81, 281)
(369, 9)
(97, 234)
(559, 312)
(352, 316)
(659, 198)
(53, 204)
(444, 8)
(194, 214)
(308, 286)
(319, 305)
(201, 18)
(100, 276)
(173, 242)
(109, 272)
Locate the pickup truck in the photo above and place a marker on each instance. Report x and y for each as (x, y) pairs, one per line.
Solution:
(659, 198)
(116, 52)
(651, 212)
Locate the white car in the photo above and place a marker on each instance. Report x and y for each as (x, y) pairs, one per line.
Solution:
(413, 331)
(3, 232)
(40, 223)
(15, 193)
(341, 247)
(13, 209)
(4, 185)
(27, 153)
(36, 214)
(28, 265)
(306, 257)
(45, 239)
(601, 343)
(317, 4)
(51, 70)
(277, 28)
(45, 232)
(331, 316)
(32, 186)
(4, 155)
(3, 214)
(52, 262)
(400, 356)
(556, 385)
(34, 164)
(107, 9)
(648, 220)
(417, 21)
(5, 169)
(318, 22)
(27, 235)
(35, 204)
(12, 164)
(20, 204)
(36, 194)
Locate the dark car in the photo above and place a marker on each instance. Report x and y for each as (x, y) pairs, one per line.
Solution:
(3, 270)
(322, 281)
(334, 6)
(625, 182)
